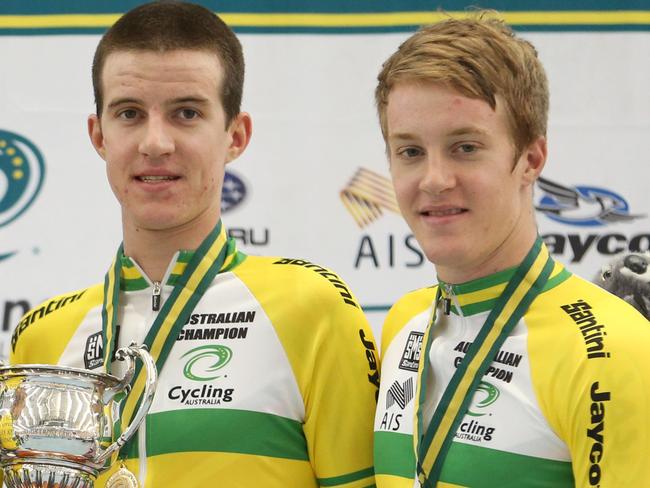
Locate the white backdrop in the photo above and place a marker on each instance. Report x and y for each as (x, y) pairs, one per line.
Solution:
(311, 99)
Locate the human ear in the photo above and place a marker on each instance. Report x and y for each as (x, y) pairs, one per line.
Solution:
(534, 160)
(241, 130)
(96, 135)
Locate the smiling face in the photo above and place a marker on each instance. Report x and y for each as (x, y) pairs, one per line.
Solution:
(164, 139)
(468, 203)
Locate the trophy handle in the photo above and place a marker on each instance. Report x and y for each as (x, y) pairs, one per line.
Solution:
(130, 353)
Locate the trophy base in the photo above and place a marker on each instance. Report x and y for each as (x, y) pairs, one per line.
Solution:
(32, 475)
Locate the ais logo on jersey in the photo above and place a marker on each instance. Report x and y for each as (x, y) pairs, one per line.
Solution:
(400, 394)
(205, 360)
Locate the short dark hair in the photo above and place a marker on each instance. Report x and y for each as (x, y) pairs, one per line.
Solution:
(167, 26)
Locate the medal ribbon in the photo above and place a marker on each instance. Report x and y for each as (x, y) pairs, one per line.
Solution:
(432, 445)
(212, 256)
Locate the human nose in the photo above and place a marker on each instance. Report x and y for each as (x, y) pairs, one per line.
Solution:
(438, 175)
(157, 140)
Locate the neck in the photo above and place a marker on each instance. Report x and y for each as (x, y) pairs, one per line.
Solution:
(154, 249)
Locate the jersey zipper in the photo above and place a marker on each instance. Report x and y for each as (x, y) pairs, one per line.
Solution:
(142, 430)
(155, 297)
(446, 300)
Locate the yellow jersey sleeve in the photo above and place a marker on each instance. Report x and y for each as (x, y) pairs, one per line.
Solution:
(591, 368)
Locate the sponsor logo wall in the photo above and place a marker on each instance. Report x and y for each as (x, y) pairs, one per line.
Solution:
(314, 183)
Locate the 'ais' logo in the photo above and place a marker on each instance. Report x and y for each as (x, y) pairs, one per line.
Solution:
(585, 206)
(367, 196)
(22, 171)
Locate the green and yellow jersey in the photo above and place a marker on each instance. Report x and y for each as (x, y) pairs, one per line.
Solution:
(565, 401)
(271, 382)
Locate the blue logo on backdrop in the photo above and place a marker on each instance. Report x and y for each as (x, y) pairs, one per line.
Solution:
(22, 170)
(21, 175)
(233, 192)
(584, 206)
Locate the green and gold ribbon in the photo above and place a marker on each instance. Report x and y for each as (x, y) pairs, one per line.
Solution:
(216, 253)
(431, 445)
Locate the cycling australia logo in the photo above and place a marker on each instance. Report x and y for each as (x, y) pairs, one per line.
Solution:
(233, 192)
(367, 196)
(205, 360)
(486, 394)
(22, 170)
(474, 430)
(202, 363)
(585, 206)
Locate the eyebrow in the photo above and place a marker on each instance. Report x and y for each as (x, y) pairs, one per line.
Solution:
(123, 101)
(401, 136)
(461, 131)
(175, 101)
(471, 130)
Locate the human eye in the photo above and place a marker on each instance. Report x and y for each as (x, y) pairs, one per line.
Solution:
(127, 114)
(466, 149)
(188, 114)
(409, 152)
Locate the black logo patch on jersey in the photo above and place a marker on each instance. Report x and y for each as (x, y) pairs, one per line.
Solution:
(94, 351)
(400, 394)
(411, 355)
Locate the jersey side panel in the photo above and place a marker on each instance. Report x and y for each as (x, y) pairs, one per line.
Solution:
(402, 335)
(330, 347)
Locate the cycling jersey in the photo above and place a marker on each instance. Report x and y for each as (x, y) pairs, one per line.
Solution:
(565, 401)
(292, 398)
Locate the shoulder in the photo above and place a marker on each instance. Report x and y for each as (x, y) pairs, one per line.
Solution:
(586, 329)
(576, 300)
(60, 312)
(294, 279)
(409, 306)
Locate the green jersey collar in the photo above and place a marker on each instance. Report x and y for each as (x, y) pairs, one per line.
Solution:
(479, 295)
(132, 278)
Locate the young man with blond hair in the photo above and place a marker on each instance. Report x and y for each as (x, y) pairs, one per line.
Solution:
(511, 371)
(267, 367)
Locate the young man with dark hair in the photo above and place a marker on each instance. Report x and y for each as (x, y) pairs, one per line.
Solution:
(267, 367)
(510, 371)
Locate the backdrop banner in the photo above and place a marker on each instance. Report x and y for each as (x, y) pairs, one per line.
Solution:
(314, 183)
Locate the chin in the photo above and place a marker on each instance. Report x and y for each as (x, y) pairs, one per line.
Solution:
(448, 256)
(157, 222)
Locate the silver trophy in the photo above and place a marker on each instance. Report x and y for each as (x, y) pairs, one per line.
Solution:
(57, 424)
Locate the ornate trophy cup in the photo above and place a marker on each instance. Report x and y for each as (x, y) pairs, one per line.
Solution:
(57, 424)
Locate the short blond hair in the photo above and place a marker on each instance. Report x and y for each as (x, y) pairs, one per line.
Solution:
(480, 57)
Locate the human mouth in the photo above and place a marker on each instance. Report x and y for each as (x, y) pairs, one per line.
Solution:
(442, 212)
(155, 179)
